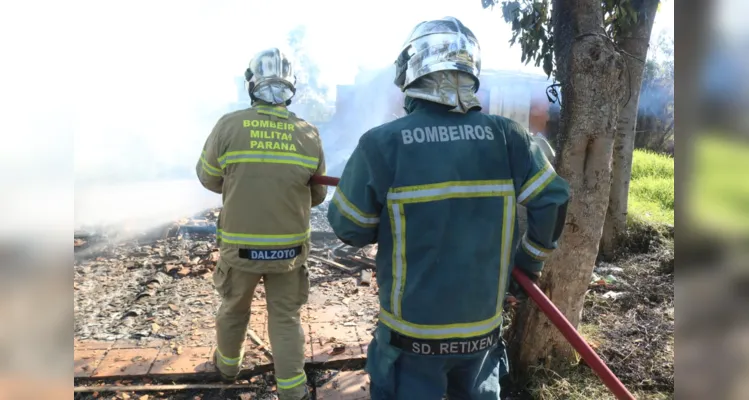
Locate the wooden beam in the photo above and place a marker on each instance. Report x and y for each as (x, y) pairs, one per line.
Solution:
(333, 264)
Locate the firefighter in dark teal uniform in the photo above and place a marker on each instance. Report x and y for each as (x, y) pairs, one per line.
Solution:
(438, 190)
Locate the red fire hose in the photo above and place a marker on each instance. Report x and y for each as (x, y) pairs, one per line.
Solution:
(555, 316)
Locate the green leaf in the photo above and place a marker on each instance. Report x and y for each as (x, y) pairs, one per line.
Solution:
(510, 10)
(548, 63)
(488, 3)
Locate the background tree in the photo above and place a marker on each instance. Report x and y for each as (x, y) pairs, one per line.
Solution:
(568, 38)
(632, 36)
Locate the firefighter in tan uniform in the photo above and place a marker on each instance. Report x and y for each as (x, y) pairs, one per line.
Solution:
(260, 160)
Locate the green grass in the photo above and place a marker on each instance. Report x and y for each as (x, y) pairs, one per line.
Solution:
(651, 189)
(719, 191)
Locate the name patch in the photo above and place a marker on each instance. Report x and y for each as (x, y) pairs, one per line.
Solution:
(440, 347)
(453, 133)
(270, 255)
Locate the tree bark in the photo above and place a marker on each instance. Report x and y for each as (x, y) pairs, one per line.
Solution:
(590, 70)
(634, 43)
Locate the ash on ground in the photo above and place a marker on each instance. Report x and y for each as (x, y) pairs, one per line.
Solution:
(157, 285)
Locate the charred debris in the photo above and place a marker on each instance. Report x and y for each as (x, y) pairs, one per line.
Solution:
(157, 284)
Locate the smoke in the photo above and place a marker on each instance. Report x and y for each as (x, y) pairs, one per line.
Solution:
(152, 79)
(372, 101)
(141, 168)
(657, 92)
(310, 101)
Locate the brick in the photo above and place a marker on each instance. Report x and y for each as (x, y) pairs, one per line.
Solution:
(331, 352)
(86, 361)
(326, 332)
(306, 313)
(202, 338)
(327, 313)
(365, 330)
(138, 344)
(93, 345)
(259, 305)
(191, 360)
(347, 385)
(121, 362)
(326, 337)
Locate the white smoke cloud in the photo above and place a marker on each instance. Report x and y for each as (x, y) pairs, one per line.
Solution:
(132, 89)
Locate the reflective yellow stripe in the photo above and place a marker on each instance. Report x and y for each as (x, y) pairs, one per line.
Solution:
(263, 240)
(292, 382)
(419, 331)
(397, 197)
(229, 361)
(534, 250)
(277, 157)
(210, 171)
(350, 211)
(450, 190)
(508, 232)
(208, 168)
(536, 184)
(280, 112)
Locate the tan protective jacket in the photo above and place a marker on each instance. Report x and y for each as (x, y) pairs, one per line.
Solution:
(261, 160)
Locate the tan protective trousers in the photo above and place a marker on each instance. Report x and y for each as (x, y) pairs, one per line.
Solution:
(285, 294)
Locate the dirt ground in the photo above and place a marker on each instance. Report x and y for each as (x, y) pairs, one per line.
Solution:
(629, 320)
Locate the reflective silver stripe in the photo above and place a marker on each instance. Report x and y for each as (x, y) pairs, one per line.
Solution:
(287, 158)
(268, 240)
(440, 331)
(536, 183)
(399, 276)
(536, 251)
(508, 232)
(448, 190)
(230, 361)
(208, 168)
(292, 382)
(351, 212)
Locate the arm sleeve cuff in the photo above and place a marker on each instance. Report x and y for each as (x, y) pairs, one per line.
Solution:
(527, 263)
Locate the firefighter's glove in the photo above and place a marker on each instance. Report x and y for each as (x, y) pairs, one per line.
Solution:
(517, 294)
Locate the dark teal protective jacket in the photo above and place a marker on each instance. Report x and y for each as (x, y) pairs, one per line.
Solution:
(438, 190)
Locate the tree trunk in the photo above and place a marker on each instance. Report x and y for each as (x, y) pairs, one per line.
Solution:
(635, 42)
(590, 70)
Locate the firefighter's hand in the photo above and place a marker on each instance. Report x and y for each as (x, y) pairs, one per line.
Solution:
(517, 294)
